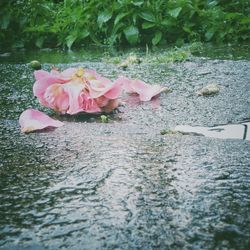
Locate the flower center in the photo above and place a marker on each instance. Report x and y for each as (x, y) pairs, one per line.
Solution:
(79, 73)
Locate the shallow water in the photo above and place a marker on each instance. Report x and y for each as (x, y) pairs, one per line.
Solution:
(230, 131)
(123, 185)
(93, 53)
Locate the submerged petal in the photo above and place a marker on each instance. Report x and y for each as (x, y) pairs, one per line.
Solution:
(31, 120)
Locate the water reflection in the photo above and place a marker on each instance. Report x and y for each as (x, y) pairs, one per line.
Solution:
(230, 131)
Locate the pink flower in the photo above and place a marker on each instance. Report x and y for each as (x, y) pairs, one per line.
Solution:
(75, 90)
(31, 120)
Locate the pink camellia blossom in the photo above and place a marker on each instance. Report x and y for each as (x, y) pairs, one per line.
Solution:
(76, 90)
(31, 120)
(145, 91)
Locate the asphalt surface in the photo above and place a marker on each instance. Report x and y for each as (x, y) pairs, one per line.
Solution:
(122, 184)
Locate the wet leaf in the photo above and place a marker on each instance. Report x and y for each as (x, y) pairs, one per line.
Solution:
(103, 17)
(209, 35)
(5, 21)
(148, 16)
(39, 42)
(157, 38)
(70, 40)
(175, 12)
(147, 25)
(119, 17)
(131, 34)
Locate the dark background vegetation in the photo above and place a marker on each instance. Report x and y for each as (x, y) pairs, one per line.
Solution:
(67, 23)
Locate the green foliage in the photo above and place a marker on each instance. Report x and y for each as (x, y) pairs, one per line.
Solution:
(69, 23)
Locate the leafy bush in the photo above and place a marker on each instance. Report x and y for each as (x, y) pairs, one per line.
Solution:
(68, 23)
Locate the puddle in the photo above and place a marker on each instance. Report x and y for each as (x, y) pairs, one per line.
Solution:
(230, 131)
(120, 185)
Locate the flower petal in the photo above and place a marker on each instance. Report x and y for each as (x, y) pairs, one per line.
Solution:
(31, 120)
(57, 98)
(99, 87)
(126, 84)
(89, 104)
(111, 105)
(91, 74)
(39, 74)
(68, 73)
(42, 84)
(144, 90)
(74, 89)
(104, 87)
(114, 91)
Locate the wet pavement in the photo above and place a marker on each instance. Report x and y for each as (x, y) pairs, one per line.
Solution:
(122, 184)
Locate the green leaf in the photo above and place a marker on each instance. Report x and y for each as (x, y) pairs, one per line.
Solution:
(134, 18)
(157, 37)
(187, 29)
(137, 3)
(103, 17)
(147, 25)
(39, 42)
(167, 23)
(209, 34)
(119, 17)
(131, 34)
(213, 3)
(70, 40)
(148, 16)
(5, 21)
(245, 20)
(83, 34)
(175, 12)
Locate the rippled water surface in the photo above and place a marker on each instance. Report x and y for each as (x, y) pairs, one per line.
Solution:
(123, 185)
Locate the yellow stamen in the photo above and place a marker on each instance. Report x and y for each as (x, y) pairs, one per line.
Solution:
(79, 72)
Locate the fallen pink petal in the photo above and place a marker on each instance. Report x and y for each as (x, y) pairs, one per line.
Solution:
(32, 120)
(145, 91)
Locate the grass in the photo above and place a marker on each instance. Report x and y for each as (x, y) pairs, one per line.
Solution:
(158, 56)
